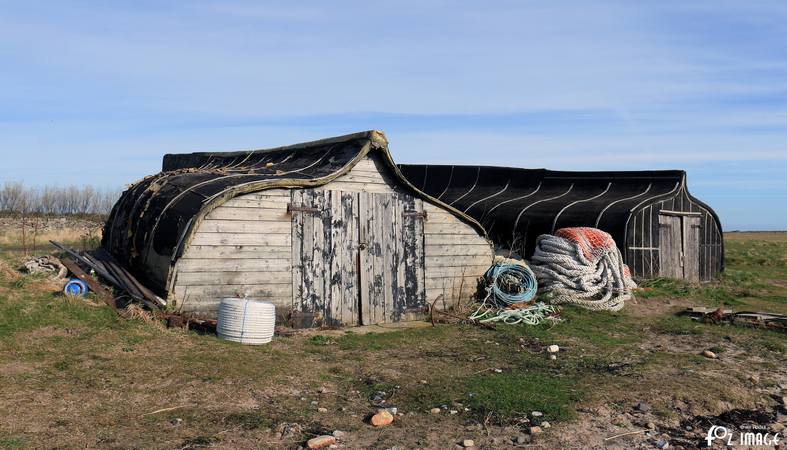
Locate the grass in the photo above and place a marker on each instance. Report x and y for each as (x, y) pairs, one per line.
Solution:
(82, 369)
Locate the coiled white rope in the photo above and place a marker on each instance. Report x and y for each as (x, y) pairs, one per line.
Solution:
(597, 280)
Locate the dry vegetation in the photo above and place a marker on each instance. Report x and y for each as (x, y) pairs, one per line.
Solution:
(77, 376)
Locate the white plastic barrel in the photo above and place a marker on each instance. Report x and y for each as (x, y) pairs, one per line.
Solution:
(246, 320)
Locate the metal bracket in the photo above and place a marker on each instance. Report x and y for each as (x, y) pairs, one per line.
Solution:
(292, 208)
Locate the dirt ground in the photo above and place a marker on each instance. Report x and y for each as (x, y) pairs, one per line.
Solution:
(77, 376)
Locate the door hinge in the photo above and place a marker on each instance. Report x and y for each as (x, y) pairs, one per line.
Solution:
(420, 214)
(292, 208)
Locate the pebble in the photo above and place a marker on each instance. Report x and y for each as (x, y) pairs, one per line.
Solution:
(545, 425)
(553, 357)
(314, 402)
(321, 441)
(535, 430)
(754, 378)
(522, 439)
(643, 407)
(709, 354)
(536, 414)
(424, 382)
(662, 444)
(453, 411)
(338, 434)
(498, 370)
(322, 410)
(467, 443)
(553, 348)
(382, 419)
(435, 410)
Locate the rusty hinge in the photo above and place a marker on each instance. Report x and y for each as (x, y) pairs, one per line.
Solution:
(415, 214)
(292, 208)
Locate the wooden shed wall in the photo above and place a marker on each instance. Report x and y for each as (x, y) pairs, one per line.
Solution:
(244, 247)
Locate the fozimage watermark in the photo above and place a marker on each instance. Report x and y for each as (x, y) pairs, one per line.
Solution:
(753, 436)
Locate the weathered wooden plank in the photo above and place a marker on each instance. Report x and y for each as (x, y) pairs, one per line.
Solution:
(240, 239)
(448, 228)
(238, 251)
(230, 265)
(349, 186)
(251, 213)
(297, 261)
(349, 243)
(691, 248)
(469, 249)
(451, 271)
(268, 291)
(458, 261)
(366, 267)
(245, 226)
(217, 278)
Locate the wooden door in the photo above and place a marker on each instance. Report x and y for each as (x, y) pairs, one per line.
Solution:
(691, 248)
(670, 246)
(324, 251)
(391, 257)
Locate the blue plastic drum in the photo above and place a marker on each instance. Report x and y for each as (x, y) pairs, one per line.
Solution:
(75, 288)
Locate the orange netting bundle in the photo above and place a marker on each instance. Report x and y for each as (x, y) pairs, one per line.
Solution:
(582, 266)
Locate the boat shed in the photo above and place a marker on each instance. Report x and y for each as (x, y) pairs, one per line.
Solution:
(329, 230)
(661, 229)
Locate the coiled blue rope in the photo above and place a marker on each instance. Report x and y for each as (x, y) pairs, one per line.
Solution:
(512, 283)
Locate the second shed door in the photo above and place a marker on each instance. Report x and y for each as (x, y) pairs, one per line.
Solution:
(358, 257)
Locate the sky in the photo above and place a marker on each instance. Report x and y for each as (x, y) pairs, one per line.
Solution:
(97, 92)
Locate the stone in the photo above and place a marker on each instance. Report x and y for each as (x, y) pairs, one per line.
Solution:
(553, 348)
(522, 439)
(315, 402)
(553, 357)
(175, 422)
(322, 410)
(393, 410)
(643, 407)
(435, 410)
(662, 444)
(453, 411)
(338, 434)
(536, 414)
(424, 382)
(754, 378)
(382, 419)
(709, 354)
(498, 370)
(535, 430)
(321, 441)
(467, 443)
(545, 424)
(458, 447)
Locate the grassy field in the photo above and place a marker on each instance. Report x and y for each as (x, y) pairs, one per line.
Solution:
(76, 376)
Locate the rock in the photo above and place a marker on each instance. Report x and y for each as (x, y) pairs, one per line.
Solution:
(709, 354)
(338, 434)
(453, 411)
(553, 357)
(545, 424)
(651, 426)
(382, 419)
(175, 422)
(321, 441)
(498, 370)
(553, 348)
(535, 430)
(536, 414)
(458, 447)
(754, 378)
(522, 439)
(642, 407)
(435, 410)
(393, 410)
(322, 410)
(315, 402)
(662, 444)
(424, 382)
(467, 443)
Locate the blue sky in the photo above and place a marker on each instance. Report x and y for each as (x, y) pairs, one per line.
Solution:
(97, 92)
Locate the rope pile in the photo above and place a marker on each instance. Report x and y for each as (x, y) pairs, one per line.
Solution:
(511, 286)
(584, 267)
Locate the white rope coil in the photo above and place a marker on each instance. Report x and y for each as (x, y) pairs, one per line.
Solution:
(566, 273)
